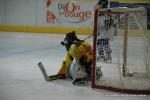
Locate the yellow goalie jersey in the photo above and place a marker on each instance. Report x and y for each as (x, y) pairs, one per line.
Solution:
(82, 51)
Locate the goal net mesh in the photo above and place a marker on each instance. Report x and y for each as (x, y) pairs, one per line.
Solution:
(121, 50)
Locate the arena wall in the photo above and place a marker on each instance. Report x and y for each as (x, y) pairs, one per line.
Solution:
(31, 16)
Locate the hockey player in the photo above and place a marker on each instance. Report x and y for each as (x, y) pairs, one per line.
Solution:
(78, 62)
(104, 21)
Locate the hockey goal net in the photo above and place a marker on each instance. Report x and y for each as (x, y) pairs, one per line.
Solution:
(121, 50)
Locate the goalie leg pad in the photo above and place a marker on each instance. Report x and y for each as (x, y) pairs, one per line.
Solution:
(78, 74)
(63, 69)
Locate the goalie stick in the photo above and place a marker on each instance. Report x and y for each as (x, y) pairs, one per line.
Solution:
(52, 77)
(88, 37)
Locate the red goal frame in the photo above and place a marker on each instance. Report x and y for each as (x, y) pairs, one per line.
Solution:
(110, 88)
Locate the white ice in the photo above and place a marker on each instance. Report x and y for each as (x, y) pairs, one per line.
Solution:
(21, 79)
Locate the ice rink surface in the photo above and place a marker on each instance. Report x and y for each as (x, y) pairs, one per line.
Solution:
(21, 79)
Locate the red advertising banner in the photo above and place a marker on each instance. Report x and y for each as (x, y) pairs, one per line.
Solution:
(69, 13)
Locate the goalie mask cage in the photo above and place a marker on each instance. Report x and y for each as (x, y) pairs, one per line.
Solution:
(121, 49)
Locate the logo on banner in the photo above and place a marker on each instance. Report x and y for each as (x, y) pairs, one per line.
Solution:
(51, 18)
(71, 12)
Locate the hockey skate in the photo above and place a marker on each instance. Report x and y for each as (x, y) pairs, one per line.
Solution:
(108, 57)
(84, 80)
(99, 73)
(80, 81)
(100, 57)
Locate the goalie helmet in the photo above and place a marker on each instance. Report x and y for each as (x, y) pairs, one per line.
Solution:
(70, 39)
(102, 3)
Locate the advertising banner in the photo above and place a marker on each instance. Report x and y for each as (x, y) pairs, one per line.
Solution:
(69, 13)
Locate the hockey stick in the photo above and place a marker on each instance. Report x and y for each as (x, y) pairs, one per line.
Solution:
(88, 37)
(52, 77)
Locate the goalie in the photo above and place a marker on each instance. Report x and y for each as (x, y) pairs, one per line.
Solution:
(78, 62)
(105, 22)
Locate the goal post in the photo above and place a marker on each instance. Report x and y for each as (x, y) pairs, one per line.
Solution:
(121, 50)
